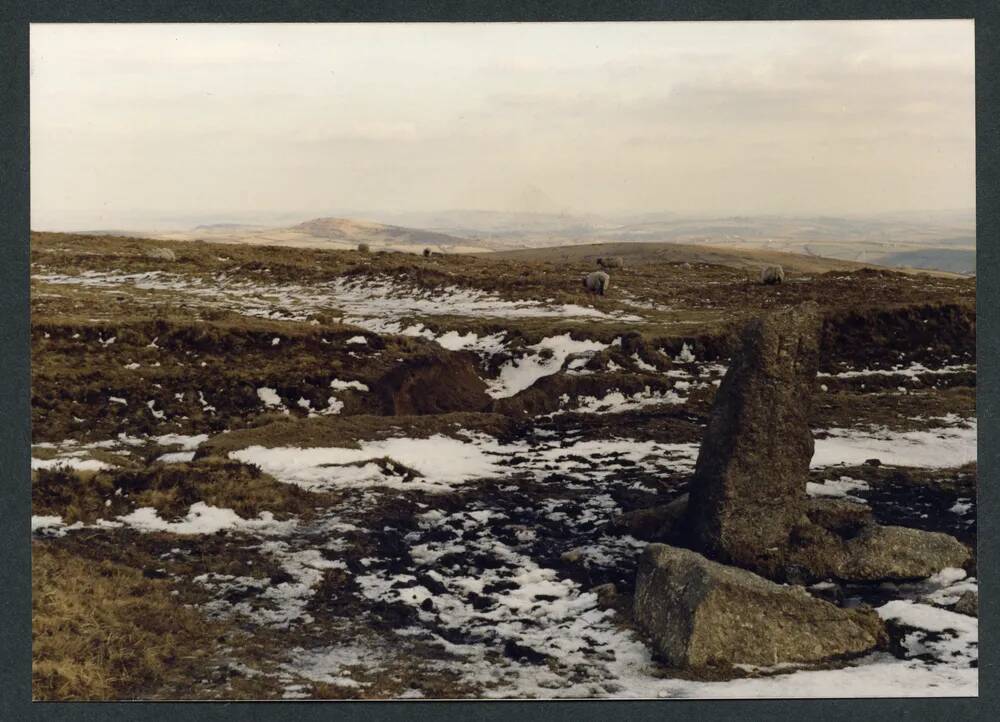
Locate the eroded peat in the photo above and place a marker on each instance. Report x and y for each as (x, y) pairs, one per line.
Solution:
(383, 476)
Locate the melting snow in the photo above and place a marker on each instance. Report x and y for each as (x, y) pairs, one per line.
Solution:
(453, 341)
(187, 442)
(912, 371)
(45, 522)
(601, 457)
(205, 519)
(545, 358)
(278, 605)
(617, 402)
(936, 448)
(944, 588)
(331, 665)
(642, 365)
(69, 462)
(685, 356)
(175, 457)
(340, 385)
(961, 507)
(837, 488)
(441, 462)
(333, 406)
(385, 298)
(269, 396)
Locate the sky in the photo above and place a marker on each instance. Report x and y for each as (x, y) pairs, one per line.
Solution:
(164, 126)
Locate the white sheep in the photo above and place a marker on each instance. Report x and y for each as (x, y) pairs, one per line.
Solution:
(161, 254)
(770, 275)
(597, 282)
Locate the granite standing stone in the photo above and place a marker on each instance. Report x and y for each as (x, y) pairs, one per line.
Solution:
(748, 491)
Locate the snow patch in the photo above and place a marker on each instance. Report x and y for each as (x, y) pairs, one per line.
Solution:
(187, 442)
(837, 488)
(912, 371)
(934, 449)
(685, 356)
(453, 341)
(269, 396)
(205, 519)
(176, 457)
(544, 359)
(45, 522)
(341, 385)
(440, 461)
(69, 462)
(617, 402)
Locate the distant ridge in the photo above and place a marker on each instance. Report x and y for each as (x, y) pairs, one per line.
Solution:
(227, 227)
(750, 259)
(359, 231)
(934, 240)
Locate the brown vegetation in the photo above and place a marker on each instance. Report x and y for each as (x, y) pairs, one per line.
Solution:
(101, 610)
(169, 488)
(103, 631)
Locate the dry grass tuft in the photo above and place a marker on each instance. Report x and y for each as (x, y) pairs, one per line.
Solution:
(103, 631)
(347, 431)
(169, 488)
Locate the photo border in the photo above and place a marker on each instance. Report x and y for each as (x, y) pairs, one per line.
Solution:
(15, 437)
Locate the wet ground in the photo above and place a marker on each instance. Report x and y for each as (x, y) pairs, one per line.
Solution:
(446, 530)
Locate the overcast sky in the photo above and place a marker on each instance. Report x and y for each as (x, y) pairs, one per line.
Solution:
(155, 125)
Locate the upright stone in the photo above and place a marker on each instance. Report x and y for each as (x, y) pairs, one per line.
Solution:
(749, 487)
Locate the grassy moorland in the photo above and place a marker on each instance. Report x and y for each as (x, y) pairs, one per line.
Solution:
(264, 473)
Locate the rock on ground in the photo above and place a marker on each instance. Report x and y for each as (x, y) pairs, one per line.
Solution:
(899, 553)
(748, 502)
(607, 595)
(703, 614)
(748, 490)
(840, 516)
(840, 540)
(967, 604)
(655, 523)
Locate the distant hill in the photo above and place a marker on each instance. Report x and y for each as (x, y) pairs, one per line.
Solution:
(945, 259)
(938, 240)
(899, 240)
(228, 227)
(944, 241)
(355, 231)
(332, 233)
(751, 259)
(499, 225)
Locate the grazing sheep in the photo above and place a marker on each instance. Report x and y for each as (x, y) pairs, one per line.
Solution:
(161, 254)
(611, 262)
(597, 282)
(364, 248)
(770, 275)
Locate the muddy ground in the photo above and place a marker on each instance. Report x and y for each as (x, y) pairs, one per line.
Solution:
(383, 475)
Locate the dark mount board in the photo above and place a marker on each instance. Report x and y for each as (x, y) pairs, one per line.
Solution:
(15, 633)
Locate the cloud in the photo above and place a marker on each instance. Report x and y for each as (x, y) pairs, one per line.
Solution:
(777, 117)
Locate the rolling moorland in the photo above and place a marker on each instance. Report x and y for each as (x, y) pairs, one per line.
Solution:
(942, 241)
(334, 474)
